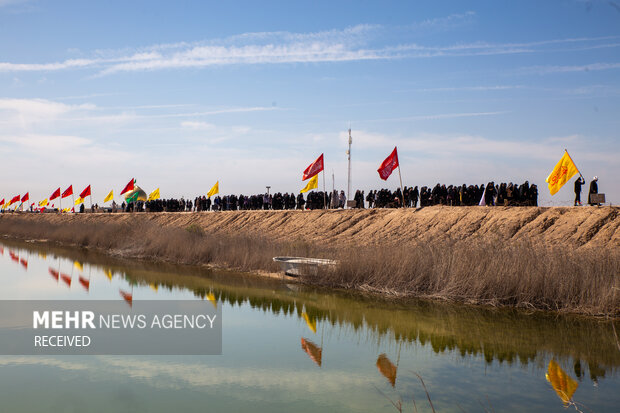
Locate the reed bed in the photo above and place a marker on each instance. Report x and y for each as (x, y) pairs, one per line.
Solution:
(517, 274)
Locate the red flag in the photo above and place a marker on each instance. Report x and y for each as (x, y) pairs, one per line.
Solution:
(128, 297)
(54, 273)
(314, 168)
(2, 202)
(55, 195)
(390, 163)
(66, 278)
(14, 200)
(85, 282)
(68, 192)
(85, 192)
(128, 187)
(26, 197)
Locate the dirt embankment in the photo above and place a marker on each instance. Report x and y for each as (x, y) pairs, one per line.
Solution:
(587, 227)
(561, 259)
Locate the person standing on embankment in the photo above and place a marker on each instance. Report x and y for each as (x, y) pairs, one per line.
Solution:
(593, 189)
(578, 183)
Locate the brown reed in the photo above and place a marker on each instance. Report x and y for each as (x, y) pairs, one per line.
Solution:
(517, 274)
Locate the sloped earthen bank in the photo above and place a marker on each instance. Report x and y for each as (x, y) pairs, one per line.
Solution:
(564, 259)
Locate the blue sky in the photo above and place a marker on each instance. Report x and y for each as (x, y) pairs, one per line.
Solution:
(181, 94)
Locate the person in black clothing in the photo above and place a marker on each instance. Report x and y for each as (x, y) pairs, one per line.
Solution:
(578, 183)
(593, 189)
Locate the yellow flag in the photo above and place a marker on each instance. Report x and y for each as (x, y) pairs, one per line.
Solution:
(211, 297)
(563, 171)
(562, 383)
(214, 190)
(312, 184)
(78, 265)
(154, 195)
(311, 323)
(109, 197)
(43, 203)
(79, 201)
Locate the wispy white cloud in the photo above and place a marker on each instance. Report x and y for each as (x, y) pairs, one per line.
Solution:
(356, 43)
(451, 21)
(470, 88)
(545, 70)
(437, 116)
(193, 125)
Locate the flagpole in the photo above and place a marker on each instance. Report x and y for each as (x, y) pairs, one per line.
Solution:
(571, 159)
(73, 200)
(402, 193)
(324, 197)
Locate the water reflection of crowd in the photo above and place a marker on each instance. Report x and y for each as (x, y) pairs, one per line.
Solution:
(491, 194)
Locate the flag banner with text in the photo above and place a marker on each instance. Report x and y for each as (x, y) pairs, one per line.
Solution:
(314, 168)
(562, 172)
(214, 190)
(389, 164)
(85, 192)
(109, 197)
(68, 192)
(312, 184)
(154, 195)
(55, 195)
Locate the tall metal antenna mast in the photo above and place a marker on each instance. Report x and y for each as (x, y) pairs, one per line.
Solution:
(349, 157)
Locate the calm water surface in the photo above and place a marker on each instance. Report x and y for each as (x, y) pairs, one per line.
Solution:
(288, 348)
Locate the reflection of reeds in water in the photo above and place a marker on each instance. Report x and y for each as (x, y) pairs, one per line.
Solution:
(496, 335)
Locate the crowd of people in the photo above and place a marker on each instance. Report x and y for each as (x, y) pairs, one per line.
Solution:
(491, 194)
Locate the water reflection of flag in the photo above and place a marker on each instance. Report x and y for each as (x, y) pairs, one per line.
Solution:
(387, 368)
(315, 352)
(14, 256)
(211, 297)
(85, 282)
(311, 323)
(1, 251)
(562, 383)
(66, 278)
(128, 297)
(78, 265)
(154, 287)
(54, 273)
(108, 273)
(24, 263)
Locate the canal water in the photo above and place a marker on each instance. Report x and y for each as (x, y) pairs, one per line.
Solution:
(287, 348)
